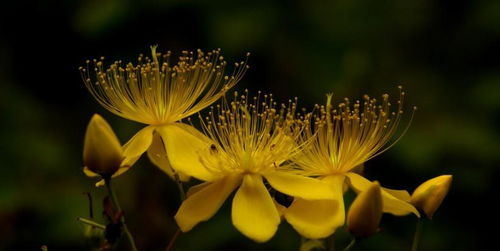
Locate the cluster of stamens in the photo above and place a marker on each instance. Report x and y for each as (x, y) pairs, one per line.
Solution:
(251, 136)
(155, 92)
(350, 134)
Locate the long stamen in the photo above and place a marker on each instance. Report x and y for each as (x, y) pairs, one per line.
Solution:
(349, 134)
(251, 134)
(155, 92)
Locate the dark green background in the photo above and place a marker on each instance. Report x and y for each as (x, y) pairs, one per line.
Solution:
(445, 53)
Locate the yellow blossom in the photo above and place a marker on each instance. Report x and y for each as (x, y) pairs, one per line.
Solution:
(248, 145)
(365, 212)
(344, 137)
(429, 195)
(159, 94)
(102, 153)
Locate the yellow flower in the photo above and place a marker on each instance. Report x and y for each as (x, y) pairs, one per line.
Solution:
(102, 153)
(247, 143)
(429, 195)
(343, 139)
(159, 94)
(365, 212)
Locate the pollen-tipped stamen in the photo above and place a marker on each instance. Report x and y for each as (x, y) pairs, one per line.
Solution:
(251, 135)
(156, 92)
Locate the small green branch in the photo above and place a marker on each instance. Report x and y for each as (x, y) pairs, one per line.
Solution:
(91, 223)
(172, 241)
(418, 233)
(114, 199)
(351, 244)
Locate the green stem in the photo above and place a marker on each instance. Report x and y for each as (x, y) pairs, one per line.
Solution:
(172, 241)
(182, 194)
(418, 233)
(91, 208)
(91, 223)
(114, 199)
(331, 243)
(351, 244)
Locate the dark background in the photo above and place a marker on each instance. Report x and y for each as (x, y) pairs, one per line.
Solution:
(445, 54)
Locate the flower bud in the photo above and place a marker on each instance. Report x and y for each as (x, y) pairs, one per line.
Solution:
(429, 195)
(365, 212)
(102, 152)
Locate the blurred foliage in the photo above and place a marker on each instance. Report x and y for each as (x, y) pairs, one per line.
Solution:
(442, 52)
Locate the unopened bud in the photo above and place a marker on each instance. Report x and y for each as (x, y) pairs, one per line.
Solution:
(365, 212)
(102, 152)
(429, 195)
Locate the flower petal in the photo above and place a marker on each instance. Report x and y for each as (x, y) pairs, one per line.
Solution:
(127, 163)
(201, 205)
(100, 183)
(254, 213)
(138, 144)
(299, 186)
(158, 156)
(89, 173)
(281, 209)
(183, 143)
(400, 194)
(313, 219)
(316, 219)
(337, 182)
(391, 204)
(194, 189)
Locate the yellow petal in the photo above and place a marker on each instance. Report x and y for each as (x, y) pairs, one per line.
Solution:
(337, 183)
(192, 190)
(400, 194)
(89, 173)
(299, 186)
(138, 144)
(100, 183)
(315, 219)
(391, 204)
(365, 212)
(429, 195)
(254, 213)
(158, 156)
(127, 163)
(201, 205)
(102, 153)
(281, 209)
(183, 143)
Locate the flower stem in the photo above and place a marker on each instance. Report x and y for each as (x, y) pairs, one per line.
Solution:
(416, 238)
(114, 199)
(331, 243)
(91, 223)
(351, 244)
(182, 194)
(172, 241)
